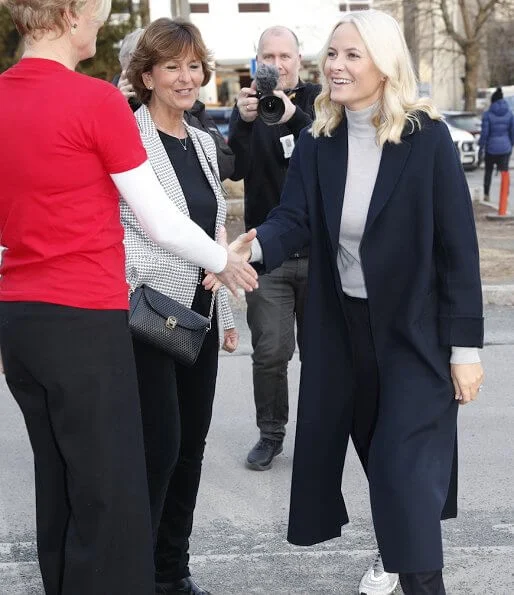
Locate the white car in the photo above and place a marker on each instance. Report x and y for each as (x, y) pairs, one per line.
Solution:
(466, 146)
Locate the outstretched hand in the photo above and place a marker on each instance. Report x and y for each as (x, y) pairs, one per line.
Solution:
(242, 245)
(238, 272)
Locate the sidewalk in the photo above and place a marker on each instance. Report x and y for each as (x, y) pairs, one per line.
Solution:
(496, 242)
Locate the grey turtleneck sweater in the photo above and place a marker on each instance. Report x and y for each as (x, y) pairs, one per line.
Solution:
(364, 156)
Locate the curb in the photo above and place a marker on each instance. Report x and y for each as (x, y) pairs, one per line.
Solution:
(498, 295)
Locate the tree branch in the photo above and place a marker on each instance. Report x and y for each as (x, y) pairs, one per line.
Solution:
(460, 39)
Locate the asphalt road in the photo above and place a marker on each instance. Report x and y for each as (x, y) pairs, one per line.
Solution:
(239, 546)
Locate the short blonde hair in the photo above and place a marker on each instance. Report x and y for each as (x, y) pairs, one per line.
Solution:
(36, 17)
(399, 103)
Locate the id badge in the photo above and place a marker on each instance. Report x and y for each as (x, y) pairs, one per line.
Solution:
(287, 145)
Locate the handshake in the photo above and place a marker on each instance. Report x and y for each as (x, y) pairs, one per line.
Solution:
(237, 272)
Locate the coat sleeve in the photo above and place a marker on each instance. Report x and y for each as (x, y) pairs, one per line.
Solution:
(456, 251)
(286, 229)
(239, 136)
(484, 132)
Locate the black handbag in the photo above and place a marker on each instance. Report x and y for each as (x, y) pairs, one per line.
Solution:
(163, 322)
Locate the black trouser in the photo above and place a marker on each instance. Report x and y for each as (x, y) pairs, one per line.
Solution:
(366, 396)
(176, 404)
(502, 164)
(72, 373)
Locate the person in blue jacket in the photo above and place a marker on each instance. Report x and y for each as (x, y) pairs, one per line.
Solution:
(496, 138)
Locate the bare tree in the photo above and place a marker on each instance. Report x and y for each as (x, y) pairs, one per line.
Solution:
(467, 28)
(410, 29)
(144, 12)
(500, 48)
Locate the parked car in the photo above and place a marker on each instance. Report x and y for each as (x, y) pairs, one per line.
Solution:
(468, 121)
(221, 117)
(466, 146)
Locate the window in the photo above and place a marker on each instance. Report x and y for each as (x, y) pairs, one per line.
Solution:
(352, 6)
(253, 7)
(199, 7)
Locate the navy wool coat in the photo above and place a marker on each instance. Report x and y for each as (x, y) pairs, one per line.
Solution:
(419, 256)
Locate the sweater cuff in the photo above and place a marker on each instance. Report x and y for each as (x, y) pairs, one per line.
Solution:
(465, 355)
(256, 255)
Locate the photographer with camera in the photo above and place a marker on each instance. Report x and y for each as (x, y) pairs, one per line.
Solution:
(262, 135)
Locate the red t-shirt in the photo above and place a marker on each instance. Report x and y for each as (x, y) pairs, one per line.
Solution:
(62, 134)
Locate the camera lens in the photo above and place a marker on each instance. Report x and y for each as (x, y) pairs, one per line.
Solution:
(271, 108)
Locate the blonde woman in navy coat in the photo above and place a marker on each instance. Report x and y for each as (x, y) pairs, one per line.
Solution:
(394, 308)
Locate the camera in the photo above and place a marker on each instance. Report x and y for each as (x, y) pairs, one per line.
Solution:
(270, 108)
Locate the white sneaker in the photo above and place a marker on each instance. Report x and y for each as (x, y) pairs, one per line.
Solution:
(376, 581)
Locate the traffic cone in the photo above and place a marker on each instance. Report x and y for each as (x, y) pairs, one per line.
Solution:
(504, 193)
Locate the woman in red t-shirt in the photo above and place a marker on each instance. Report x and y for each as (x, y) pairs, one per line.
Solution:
(73, 146)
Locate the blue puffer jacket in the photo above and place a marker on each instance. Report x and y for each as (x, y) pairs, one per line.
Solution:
(497, 134)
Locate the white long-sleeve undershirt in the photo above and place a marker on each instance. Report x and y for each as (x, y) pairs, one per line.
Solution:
(164, 223)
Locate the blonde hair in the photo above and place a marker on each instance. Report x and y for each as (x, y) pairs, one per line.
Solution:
(33, 18)
(399, 103)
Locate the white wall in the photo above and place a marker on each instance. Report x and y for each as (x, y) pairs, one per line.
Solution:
(160, 8)
(232, 35)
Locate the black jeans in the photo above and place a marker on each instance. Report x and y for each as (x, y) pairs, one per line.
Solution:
(176, 405)
(366, 397)
(271, 315)
(502, 164)
(72, 372)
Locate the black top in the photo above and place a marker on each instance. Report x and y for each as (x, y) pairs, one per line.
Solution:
(260, 156)
(198, 193)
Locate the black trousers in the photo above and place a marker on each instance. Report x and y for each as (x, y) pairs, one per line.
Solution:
(366, 396)
(501, 162)
(176, 405)
(72, 373)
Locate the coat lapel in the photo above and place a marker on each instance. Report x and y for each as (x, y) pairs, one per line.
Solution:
(332, 166)
(392, 163)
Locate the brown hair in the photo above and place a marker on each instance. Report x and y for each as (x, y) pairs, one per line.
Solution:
(35, 17)
(166, 39)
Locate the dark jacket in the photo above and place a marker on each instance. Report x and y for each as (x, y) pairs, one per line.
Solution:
(497, 134)
(259, 154)
(419, 255)
(199, 118)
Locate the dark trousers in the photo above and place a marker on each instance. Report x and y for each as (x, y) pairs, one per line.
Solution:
(502, 164)
(176, 405)
(366, 397)
(72, 373)
(271, 315)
